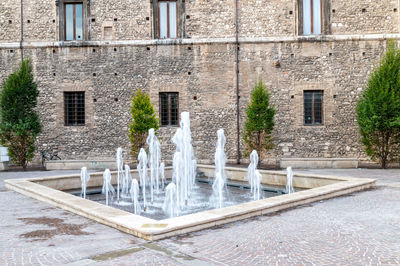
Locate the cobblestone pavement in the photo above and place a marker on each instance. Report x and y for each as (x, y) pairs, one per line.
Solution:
(358, 229)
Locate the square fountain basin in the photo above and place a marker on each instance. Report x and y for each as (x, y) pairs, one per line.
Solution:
(317, 187)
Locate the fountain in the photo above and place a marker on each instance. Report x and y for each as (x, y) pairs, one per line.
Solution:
(219, 184)
(162, 175)
(85, 177)
(170, 205)
(184, 161)
(107, 186)
(218, 189)
(126, 181)
(289, 182)
(120, 169)
(142, 169)
(254, 176)
(154, 162)
(181, 196)
(134, 191)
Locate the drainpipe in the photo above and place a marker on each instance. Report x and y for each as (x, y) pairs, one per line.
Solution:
(237, 81)
(22, 31)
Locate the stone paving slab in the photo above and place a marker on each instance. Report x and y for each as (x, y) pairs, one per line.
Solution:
(359, 229)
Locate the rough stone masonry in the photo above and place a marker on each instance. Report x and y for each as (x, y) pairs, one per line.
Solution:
(121, 52)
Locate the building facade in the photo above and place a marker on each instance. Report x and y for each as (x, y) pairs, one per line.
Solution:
(201, 56)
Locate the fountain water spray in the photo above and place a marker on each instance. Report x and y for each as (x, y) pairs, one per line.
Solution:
(220, 161)
(218, 189)
(85, 177)
(134, 191)
(254, 176)
(154, 161)
(170, 205)
(257, 185)
(126, 181)
(289, 182)
(120, 169)
(142, 169)
(107, 186)
(184, 161)
(162, 175)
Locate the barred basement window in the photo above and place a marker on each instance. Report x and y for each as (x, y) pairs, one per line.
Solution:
(74, 104)
(313, 107)
(169, 105)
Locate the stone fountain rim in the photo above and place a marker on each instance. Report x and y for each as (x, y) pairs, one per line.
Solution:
(151, 229)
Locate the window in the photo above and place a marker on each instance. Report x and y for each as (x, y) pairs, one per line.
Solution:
(167, 19)
(73, 21)
(74, 104)
(313, 107)
(314, 16)
(169, 104)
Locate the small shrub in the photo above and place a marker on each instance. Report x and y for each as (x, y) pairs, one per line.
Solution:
(259, 121)
(143, 118)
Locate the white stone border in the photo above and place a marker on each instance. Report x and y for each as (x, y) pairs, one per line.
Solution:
(151, 229)
(245, 40)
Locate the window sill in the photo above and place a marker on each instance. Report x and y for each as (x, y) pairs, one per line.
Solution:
(312, 37)
(169, 126)
(313, 126)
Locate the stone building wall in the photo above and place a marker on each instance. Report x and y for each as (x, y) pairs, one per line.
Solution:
(365, 17)
(133, 19)
(202, 69)
(10, 23)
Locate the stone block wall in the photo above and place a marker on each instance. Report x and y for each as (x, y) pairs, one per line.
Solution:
(110, 75)
(133, 19)
(202, 68)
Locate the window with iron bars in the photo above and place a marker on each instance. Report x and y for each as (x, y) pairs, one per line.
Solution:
(313, 111)
(169, 108)
(74, 104)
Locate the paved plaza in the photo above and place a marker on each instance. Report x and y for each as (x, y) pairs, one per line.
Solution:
(358, 229)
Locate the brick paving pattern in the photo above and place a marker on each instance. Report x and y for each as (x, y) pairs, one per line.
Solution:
(359, 229)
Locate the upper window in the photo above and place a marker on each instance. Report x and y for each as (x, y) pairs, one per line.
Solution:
(313, 107)
(72, 16)
(312, 17)
(169, 104)
(167, 19)
(74, 104)
(73, 22)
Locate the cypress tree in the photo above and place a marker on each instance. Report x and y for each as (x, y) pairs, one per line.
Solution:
(259, 121)
(378, 111)
(19, 121)
(143, 118)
